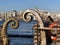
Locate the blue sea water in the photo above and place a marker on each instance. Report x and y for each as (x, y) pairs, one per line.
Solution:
(24, 29)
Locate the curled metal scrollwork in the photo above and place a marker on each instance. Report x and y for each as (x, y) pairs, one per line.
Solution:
(14, 25)
(38, 18)
(32, 13)
(27, 17)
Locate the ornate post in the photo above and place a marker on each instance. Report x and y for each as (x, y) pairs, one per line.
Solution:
(27, 18)
(4, 36)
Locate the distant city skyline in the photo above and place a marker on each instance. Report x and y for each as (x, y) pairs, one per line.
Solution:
(48, 5)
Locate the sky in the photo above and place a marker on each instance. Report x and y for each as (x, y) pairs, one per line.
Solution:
(48, 5)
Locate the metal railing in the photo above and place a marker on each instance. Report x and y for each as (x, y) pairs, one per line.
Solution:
(39, 30)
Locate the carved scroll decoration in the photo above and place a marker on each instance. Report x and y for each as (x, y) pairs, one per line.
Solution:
(27, 18)
(14, 24)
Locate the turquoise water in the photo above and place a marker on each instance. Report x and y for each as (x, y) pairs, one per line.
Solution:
(23, 35)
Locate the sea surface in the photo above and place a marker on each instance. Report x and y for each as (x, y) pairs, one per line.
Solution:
(23, 35)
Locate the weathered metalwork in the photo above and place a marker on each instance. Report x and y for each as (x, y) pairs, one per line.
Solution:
(4, 36)
(27, 16)
(40, 23)
(45, 28)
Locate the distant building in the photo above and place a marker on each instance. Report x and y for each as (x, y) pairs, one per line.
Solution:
(14, 13)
